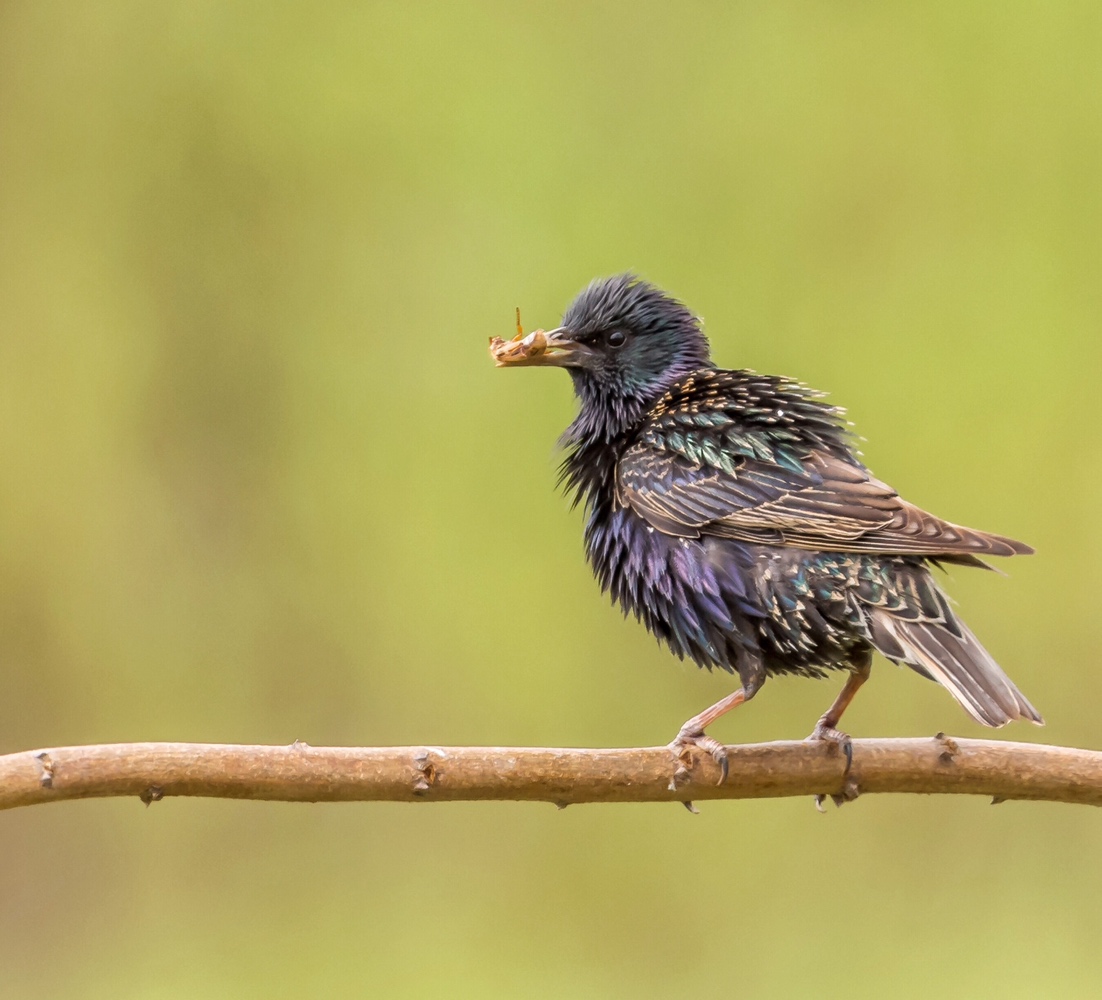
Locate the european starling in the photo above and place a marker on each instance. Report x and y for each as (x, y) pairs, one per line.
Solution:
(729, 512)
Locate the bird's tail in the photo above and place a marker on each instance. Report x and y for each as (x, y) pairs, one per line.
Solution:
(957, 662)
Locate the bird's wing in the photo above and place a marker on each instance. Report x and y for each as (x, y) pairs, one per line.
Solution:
(814, 500)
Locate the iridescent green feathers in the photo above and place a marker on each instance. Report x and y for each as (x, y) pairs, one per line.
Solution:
(739, 455)
(715, 417)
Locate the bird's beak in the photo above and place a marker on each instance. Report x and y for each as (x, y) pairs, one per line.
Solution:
(554, 347)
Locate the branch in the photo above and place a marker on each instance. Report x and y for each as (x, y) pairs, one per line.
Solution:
(302, 773)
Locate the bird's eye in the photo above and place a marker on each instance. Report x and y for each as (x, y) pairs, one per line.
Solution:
(616, 338)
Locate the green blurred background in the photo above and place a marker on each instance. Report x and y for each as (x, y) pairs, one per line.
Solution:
(261, 482)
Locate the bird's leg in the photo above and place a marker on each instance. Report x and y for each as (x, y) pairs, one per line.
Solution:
(826, 728)
(751, 671)
(752, 674)
(692, 733)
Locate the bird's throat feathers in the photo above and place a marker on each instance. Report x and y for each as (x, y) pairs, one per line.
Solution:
(606, 424)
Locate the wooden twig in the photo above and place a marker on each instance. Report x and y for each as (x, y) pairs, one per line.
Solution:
(302, 773)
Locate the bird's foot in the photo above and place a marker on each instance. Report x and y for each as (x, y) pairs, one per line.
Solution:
(688, 739)
(826, 733)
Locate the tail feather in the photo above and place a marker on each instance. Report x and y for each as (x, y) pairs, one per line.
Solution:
(958, 663)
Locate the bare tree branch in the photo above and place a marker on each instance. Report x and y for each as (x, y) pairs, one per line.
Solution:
(301, 773)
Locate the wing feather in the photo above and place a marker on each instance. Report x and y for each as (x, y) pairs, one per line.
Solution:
(831, 504)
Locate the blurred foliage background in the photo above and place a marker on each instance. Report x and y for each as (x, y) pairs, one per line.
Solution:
(261, 482)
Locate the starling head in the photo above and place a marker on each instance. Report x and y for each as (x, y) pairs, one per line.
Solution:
(623, 341)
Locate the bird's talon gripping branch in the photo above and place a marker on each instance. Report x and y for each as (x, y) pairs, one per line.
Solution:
(687, 739)
(835, 739)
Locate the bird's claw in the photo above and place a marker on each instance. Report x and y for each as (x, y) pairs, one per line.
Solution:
(688, 739)
(823, 733)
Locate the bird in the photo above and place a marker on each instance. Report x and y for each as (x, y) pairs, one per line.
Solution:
(731, 514)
